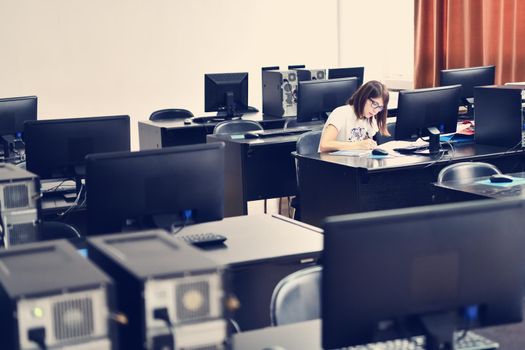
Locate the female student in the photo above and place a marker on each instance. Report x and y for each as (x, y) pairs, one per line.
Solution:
(353, 125)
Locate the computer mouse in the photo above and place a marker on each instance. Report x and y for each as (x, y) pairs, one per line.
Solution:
(187, 121)
(379, 152)
(500, 178)
(251, 135)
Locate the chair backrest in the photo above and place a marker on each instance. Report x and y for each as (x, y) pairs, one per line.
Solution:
(465, 171)
(50, 230)
(297, 297)
(391, 127)
(308, 142)
(236, 126)
(170, 114)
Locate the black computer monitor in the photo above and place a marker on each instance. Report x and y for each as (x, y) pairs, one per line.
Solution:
(468, 78)
(226, 93)
(407, 272)
(316, 98)
(425, 112)
(358, 72)
(56, 148)
(14, 111)
(162, 188)
(296, 66)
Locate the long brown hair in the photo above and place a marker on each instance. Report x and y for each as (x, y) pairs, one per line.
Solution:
(372, 89)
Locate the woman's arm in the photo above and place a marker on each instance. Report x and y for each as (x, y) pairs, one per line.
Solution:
(329, 141)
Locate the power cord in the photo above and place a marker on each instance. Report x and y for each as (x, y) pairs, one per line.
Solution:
(75, 204)
(38, 336)
(163, 315)
(186, 215)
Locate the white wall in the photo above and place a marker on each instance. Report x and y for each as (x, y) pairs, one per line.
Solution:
(379, 34)
(100, 57)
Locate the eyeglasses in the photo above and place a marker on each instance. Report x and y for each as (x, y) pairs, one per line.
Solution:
(376, 105)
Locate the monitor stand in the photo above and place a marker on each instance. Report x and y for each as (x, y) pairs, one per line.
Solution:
(439, 329)
(434, 146)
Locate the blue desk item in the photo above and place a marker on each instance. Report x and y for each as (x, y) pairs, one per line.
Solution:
(516, 181)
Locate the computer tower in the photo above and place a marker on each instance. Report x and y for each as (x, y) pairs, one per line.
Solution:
(311, 74)
(280, 93)
(170, 292)
(53, 298)
(498, 116)
(19, 205)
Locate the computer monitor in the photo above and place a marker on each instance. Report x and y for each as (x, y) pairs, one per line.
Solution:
(56, 148)
(425, 112)
(468, 78)
(226, 93)
(358, 72)
(14, 111)
(296, 66)
(407, 272)
(316, 98)
(161, 188)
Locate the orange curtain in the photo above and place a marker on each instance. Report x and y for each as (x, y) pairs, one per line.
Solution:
(469, 33)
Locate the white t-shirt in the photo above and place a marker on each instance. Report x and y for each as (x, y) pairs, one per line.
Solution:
(349, 127)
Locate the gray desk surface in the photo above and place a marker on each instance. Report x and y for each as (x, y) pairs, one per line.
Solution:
(485, 189)
(470, 151)
(307, 336)
(256, 238)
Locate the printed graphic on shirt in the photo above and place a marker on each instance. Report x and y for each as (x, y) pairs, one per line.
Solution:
(357, 134)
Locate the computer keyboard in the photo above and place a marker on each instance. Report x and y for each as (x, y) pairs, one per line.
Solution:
(204, 239)
(410, 149)
(471, 341)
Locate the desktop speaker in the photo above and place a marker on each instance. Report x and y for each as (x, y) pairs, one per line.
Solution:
(19, 205)
(171, 293)
(280, 92)
(53, 298)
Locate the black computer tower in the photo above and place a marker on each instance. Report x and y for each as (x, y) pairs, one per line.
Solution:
(280, 93)
(498, 116)
(311, 74)
(19, 205)
(170, 292)
(51, 294)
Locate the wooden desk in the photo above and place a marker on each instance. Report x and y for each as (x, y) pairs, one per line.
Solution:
(478, 188)
(257, 169)
(159, 134)
(332, 185)
(259, 251)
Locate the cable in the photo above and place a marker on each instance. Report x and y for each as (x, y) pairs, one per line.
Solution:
(75, 204)
(163, 315)
(235, 325)
(186, 216)
(38, 336)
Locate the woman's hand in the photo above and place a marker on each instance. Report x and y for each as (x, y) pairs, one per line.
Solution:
(367, 144)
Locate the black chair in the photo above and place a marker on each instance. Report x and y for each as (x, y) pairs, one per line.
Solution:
(307, 143)
(297, 297)
(391, 127)
(170, 114)
(463, 173)
(466, 171)
(238, 126)
(50, 230)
